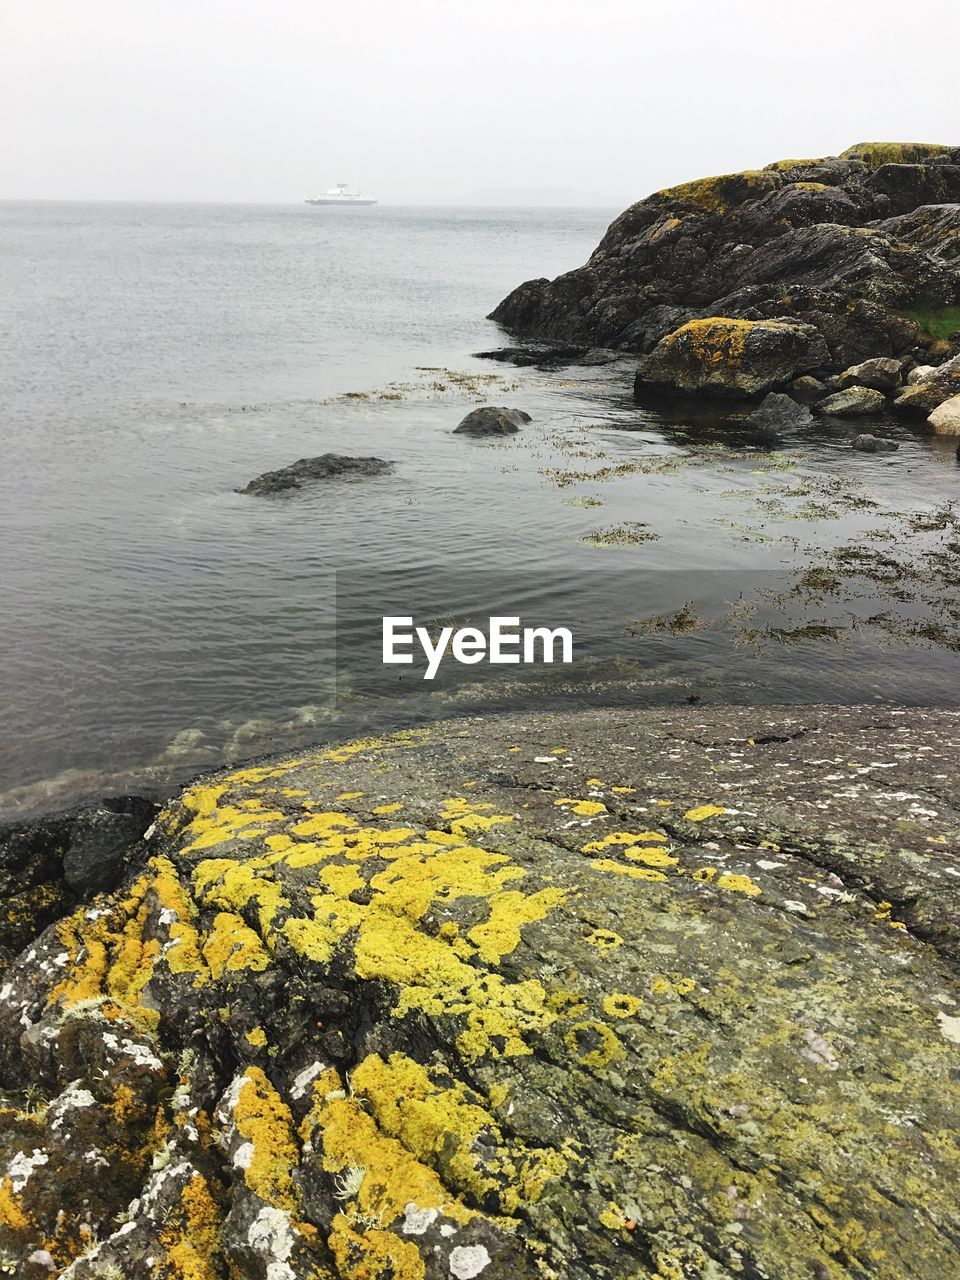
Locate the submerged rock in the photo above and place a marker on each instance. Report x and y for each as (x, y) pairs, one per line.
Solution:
(492, 421)
(852, 402)
(867, 443)
(723, 356)
(326, 467)
(945, 419)
(540, 996)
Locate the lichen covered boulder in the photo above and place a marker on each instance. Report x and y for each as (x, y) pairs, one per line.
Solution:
(618, 995)
(852, 403)
(724, 356)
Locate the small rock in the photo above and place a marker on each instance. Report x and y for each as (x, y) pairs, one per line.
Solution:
(882, 374)
(918, 374)
(945, 419)
(327, 466)
(491, 420)
(777, 412)
(852, 402)
(873, 444)
(807, 389)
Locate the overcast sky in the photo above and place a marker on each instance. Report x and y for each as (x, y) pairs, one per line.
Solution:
(445, 102)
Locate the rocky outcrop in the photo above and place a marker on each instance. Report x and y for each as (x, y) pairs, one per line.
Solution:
(724, 356)
(326, 467)
(849, 244)
(492, 421)
(608, 994)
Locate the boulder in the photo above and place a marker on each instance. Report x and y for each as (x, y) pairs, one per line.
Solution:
(492, 421)
(725, 356)
(883, 373)
(873, 444)
(328, 466)
(944, 378)
(852, 402)
(945, 419)
(582, 1017)
(918, 373)
(918, 399)
(777, 413)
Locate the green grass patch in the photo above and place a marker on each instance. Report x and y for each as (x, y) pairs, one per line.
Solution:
(938, 322)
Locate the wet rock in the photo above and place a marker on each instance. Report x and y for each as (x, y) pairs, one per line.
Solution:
(724, 356)
(841, 243)
(882, 374)
(536, 356)
(327, 466)
(492, 421)
(777, 413)
(853, 402)
(873, 444)
(356, 1019)
(945, 419)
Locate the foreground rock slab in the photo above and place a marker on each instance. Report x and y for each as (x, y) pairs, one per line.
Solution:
(611, 995)
(326, 467)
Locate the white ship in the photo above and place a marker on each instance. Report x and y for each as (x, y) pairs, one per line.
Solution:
(340, 194)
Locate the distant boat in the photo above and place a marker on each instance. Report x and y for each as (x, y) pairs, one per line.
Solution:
(340, 194)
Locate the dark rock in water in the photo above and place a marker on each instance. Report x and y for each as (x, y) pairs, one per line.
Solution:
(47, 863)
(492, 421)
(523, 356)
(867, 443)
(849, 244)
(852, 402)
(547, 1027)
(883, 373)
(723, 356)
(327, 466)
(777, 413)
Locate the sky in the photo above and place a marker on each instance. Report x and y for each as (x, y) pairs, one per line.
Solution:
(428, 102)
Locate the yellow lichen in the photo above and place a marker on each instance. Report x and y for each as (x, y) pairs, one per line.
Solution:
(703, 811)
(264, 1120)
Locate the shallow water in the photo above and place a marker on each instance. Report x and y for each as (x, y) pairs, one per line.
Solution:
(155, 621)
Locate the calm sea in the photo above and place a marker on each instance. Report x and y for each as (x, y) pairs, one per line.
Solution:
(153, 621)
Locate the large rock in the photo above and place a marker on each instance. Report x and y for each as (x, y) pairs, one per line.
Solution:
(851, 244)
(944, 379)
(918, 399)
(945, 419)
(327, 466)
(882, 374)
(725, 356)
(543, 996)
(492, 421)
(852, 402)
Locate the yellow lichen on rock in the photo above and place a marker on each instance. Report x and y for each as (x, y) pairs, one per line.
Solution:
(875, 154)
(263, 1119)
